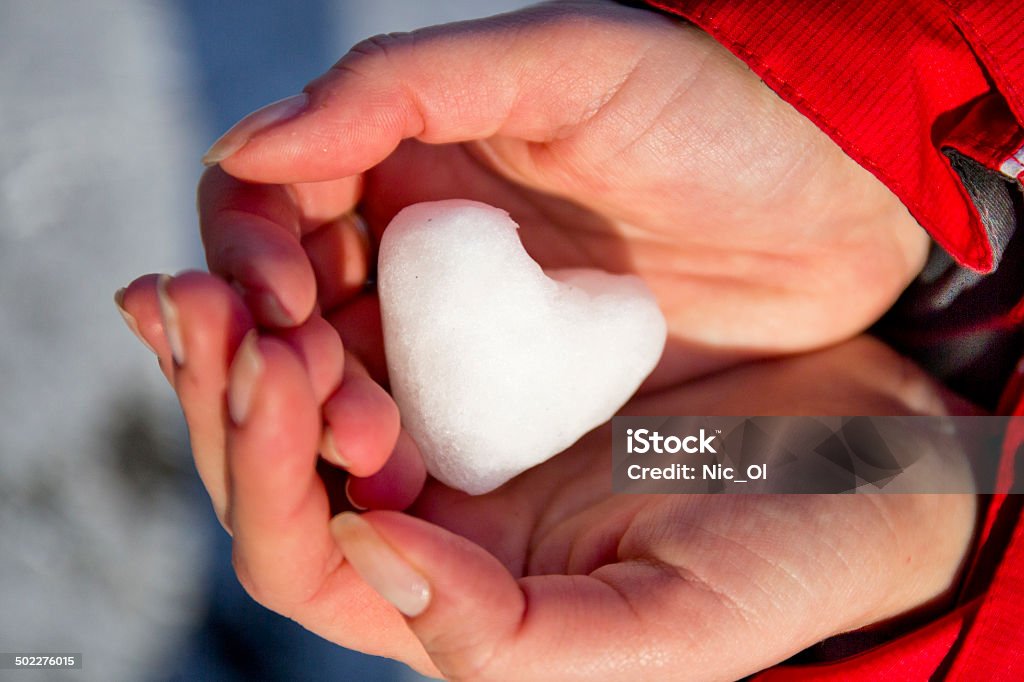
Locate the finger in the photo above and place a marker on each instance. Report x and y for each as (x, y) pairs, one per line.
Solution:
(251, 234)
(625, 620)
(477, 622)
(359, 325)
(319, 347)
(321, 202)
(429, 85)
(137, 303)
(396, 485)
(339, 252)
(195, 322)
(279, 509)
(251, 237)
(433, 577)
(361, 423)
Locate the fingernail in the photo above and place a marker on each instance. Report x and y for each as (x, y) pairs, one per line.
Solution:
(267, 306)
(171, 321)
(329, 450)
(261, 119)
(273, 311)
(245, 372)
(380, 565)
(129, 319)
(348, 495)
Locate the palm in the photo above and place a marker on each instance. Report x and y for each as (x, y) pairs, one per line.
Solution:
(624, 140)
(686, 581)
(802, 245)
(716, 572)
(628, 143)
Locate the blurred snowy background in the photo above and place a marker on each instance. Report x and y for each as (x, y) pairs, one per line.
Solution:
(107, 543)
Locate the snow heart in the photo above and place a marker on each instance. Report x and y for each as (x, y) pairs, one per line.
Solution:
(495, 365)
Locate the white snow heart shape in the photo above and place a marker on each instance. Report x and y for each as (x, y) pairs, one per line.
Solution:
(495, 365)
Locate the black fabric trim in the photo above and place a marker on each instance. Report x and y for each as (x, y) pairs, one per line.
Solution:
(948, 319)
(993, 197)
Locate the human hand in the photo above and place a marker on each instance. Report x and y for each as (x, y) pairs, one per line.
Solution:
(617, 138)
(196, 323)
(805, 261)
(552, 576)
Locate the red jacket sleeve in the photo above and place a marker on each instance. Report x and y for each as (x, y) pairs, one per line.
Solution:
(994, 32)
(896, 84)
(893, 82)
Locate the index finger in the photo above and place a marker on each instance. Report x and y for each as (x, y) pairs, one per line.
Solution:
(451, 83)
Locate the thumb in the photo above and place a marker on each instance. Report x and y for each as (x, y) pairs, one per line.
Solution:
(532, 74)
(459, 600)
(477, 622)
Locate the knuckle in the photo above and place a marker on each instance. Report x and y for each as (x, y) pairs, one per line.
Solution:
(371, 54)
(465, 658)
(250, 582)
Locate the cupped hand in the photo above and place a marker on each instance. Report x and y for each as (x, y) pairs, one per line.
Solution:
(617, 137)
(198, 326)
(552, 576)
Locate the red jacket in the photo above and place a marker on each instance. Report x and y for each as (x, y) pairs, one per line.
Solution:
(899, 84)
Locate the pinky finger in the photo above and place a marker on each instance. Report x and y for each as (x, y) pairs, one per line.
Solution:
(361, 422)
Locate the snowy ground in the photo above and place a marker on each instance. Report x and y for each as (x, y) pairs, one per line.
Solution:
(107, 546)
